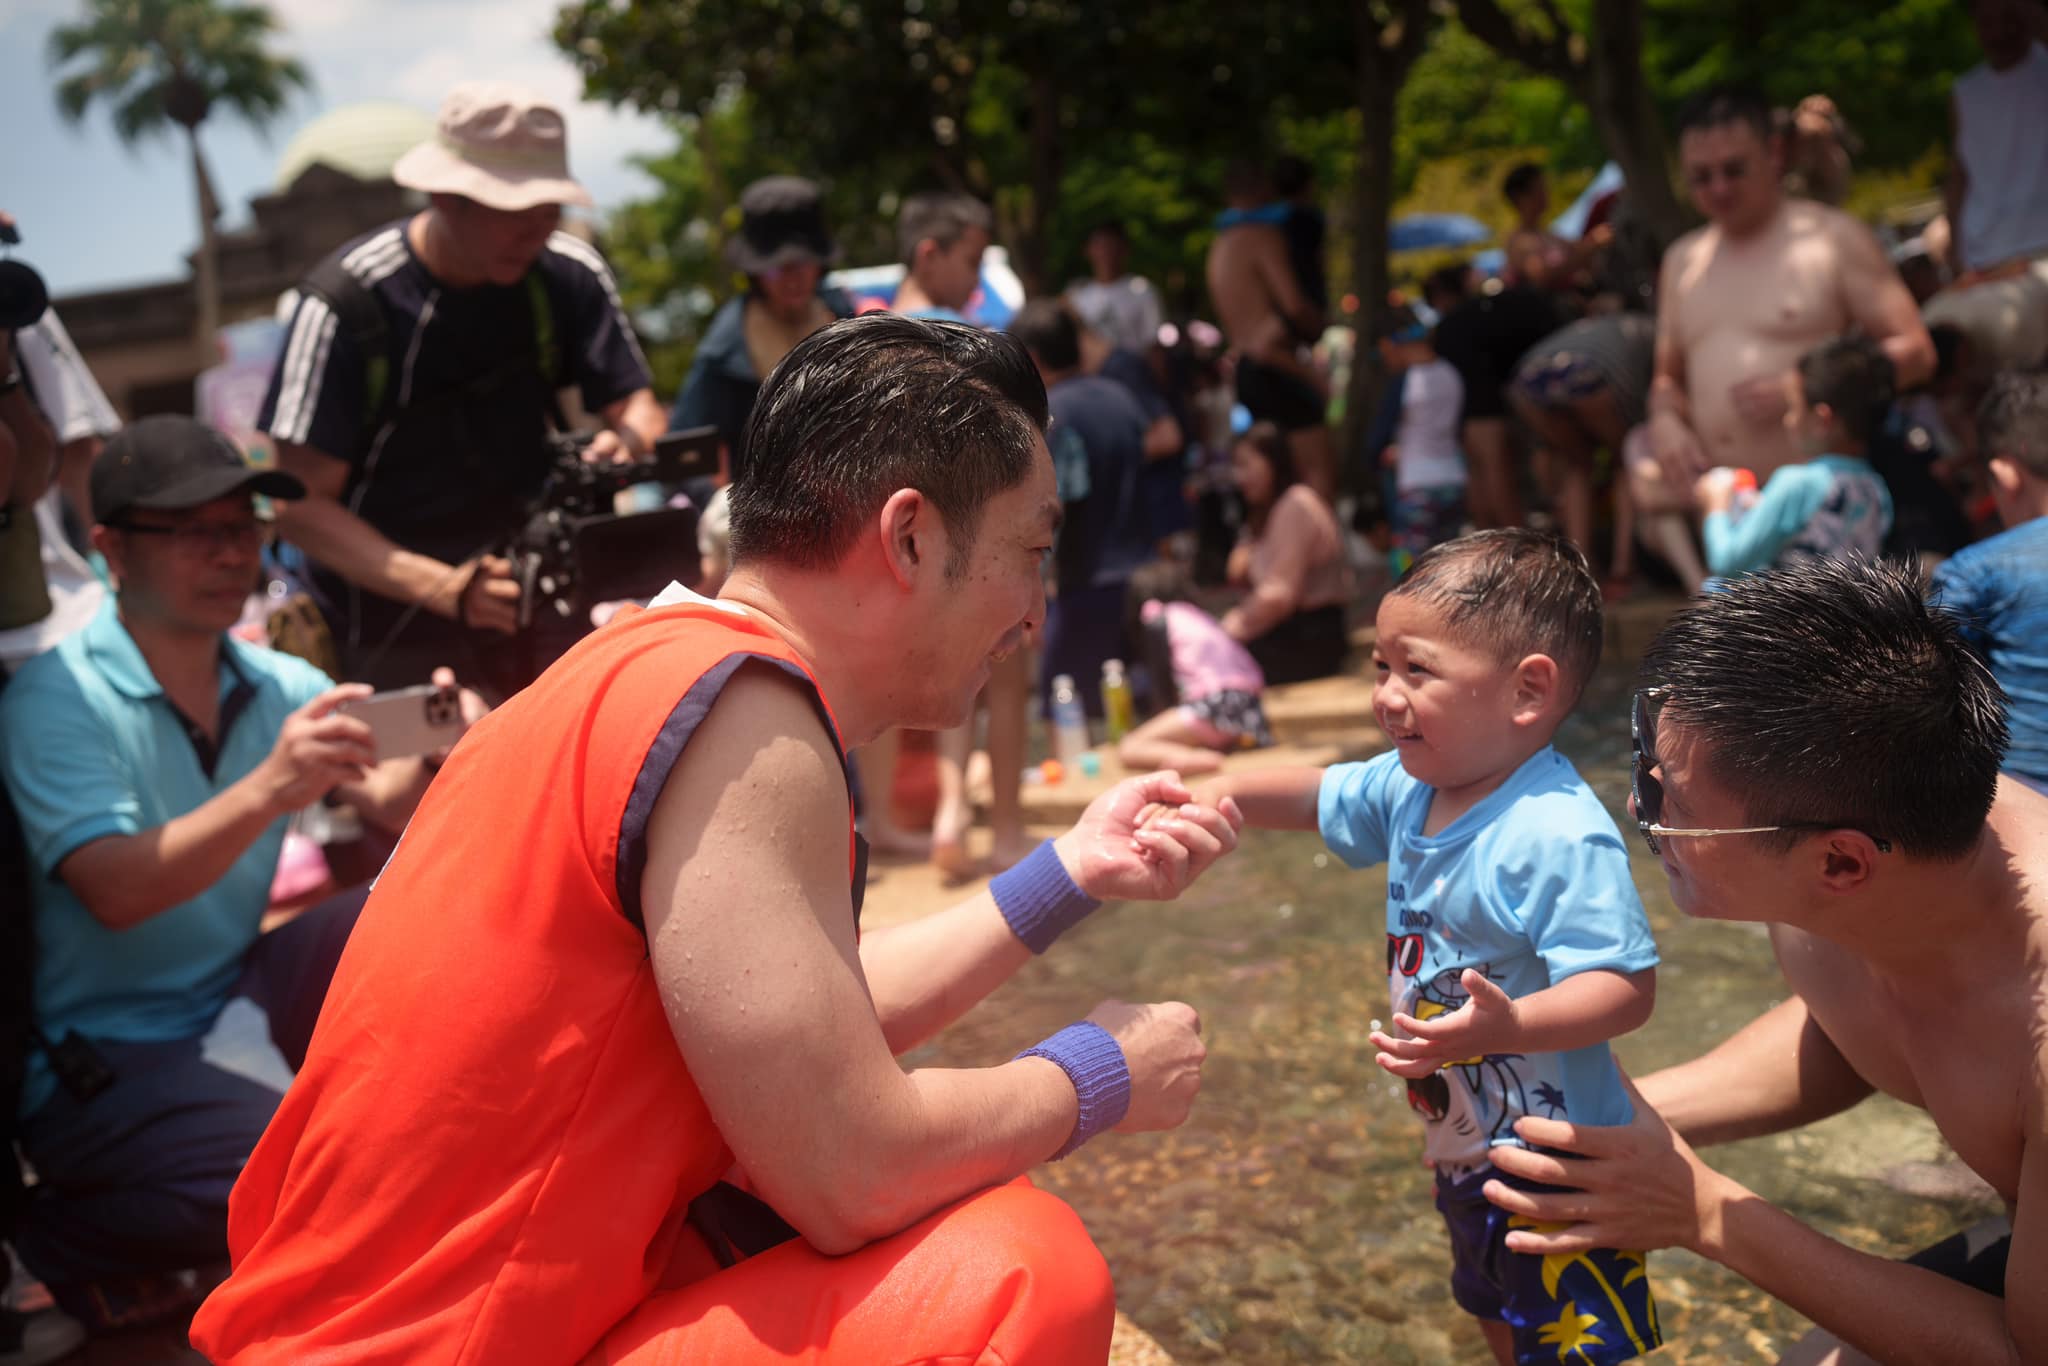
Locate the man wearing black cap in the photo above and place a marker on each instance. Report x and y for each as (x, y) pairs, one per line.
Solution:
(782, 248)
(155, 762)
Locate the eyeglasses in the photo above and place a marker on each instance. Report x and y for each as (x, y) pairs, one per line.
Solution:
(201, 538)
(1646, 793)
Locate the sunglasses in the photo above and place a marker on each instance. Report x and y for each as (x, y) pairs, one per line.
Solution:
(1646, 793)
(1404, 954)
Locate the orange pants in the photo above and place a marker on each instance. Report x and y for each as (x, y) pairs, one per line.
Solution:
(1008, 1277)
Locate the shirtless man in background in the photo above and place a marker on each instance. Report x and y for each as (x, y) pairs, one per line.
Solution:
(1268, 318)
(1740, 300)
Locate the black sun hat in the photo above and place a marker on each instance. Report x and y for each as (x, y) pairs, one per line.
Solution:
(171, 462)
(782, 221)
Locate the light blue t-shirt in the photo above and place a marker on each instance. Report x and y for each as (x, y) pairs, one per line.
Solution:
(91, 747)
(1530, 886)
(1830, 505)
(1998, 591)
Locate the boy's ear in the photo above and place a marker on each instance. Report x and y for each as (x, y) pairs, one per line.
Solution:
(2006, 474)
(1537, 683)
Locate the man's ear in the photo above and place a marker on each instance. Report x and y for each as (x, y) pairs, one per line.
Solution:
(1848, 861)
(911, 537)
(111, 546)
(1538, 681)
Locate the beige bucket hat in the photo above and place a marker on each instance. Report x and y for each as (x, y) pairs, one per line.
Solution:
(499, 144)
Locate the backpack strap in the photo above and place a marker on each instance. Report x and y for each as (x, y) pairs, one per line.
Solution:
(546, 354)
(362, 319)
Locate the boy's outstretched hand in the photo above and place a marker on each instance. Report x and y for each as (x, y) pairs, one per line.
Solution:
(1146, 839)
(1487, 1023)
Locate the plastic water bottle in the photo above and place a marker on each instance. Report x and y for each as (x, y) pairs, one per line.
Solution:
(1069, 723)
(1116, 700)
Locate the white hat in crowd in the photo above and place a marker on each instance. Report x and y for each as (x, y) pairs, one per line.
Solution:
(497, 143)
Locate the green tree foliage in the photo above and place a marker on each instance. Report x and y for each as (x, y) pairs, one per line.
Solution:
(1064, 115)
(159, 65)
(1887, 66)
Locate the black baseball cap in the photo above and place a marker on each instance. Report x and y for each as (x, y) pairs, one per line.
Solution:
(782, 220)
(171, 462)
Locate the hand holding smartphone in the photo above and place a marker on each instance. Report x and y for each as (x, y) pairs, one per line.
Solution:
(410, 721)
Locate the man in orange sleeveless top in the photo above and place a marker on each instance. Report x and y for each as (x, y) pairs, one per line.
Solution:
(607, 1022)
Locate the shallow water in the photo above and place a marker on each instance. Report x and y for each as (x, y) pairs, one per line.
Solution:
(1290, 1219)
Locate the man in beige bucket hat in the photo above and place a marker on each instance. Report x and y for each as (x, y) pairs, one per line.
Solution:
(499, 145)
(420, 379)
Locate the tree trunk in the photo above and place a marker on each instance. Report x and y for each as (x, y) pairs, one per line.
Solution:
(1034, 248)
(1379, 73)
(206, 265)
(1618, 97)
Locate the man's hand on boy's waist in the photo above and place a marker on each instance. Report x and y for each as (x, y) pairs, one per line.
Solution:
(1488, 1022)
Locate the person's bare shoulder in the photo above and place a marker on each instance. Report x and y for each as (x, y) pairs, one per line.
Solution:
(1690, 245)
(1849, 233)
(1681, 262)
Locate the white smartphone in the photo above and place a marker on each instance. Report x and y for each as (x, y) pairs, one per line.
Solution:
(410, 721)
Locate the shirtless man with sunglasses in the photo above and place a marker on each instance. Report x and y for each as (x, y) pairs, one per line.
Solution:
(1818, 750)
(1739, 301)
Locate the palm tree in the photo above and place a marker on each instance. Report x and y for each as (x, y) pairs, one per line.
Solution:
(164, 63)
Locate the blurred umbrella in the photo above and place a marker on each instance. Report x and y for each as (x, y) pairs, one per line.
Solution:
(1436, 231)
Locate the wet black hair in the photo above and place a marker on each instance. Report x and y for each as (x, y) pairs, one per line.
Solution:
(1829, 693)
(1514, 592)
(874, 404)
(1856, 379)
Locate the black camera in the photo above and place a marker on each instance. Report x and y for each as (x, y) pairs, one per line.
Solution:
(575, 551)
(23, 295)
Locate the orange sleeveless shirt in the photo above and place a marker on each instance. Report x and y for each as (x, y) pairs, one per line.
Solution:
(491, 1151)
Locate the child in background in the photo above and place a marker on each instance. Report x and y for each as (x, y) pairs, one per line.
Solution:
(714, 544)
(1834, 503)
(1428, 466)
(1516, 944)
(1998, 588)
(1207, 684)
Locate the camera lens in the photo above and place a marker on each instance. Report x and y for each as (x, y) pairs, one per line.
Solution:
(23, 296)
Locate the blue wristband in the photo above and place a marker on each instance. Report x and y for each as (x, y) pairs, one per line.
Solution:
(1038, 898)
(1094, 1062)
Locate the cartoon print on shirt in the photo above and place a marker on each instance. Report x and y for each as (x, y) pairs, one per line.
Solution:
(1479, 1097)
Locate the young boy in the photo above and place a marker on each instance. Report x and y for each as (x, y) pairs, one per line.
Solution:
(1998, 588)
(1428, 467)
(1834, 503)
(1516, 944)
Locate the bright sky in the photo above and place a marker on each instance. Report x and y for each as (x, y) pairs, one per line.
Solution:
(93, 215)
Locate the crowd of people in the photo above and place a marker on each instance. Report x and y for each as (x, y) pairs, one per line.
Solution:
(618, 883)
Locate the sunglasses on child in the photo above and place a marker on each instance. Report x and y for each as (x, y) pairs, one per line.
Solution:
(1646, 793)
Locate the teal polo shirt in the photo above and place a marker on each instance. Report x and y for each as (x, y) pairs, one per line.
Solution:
(91, 747)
